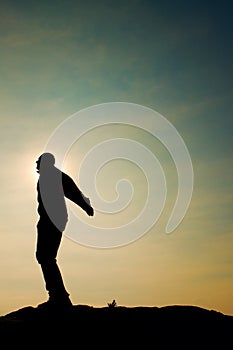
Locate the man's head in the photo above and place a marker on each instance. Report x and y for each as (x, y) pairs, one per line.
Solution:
(45, 161)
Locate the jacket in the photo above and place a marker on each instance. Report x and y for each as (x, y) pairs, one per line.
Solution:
(52, 187)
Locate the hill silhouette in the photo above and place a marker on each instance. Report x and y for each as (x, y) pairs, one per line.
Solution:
(180, 326)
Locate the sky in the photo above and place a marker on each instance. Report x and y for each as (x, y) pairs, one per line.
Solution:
(174, 57)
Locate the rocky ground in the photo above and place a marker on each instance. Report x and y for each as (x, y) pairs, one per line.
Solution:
(84, 326)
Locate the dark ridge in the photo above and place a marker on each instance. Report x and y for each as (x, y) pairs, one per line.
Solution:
(178, 326)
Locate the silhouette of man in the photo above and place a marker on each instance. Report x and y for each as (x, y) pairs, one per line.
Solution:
(52, 186)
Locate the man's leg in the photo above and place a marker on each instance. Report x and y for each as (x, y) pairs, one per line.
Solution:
(48, 242)
(53, 279)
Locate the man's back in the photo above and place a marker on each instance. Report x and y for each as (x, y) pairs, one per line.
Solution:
(53, 186)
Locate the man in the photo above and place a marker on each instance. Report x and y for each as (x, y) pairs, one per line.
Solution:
(52, 186)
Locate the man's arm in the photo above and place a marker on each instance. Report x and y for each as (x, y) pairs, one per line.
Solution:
(72, 192)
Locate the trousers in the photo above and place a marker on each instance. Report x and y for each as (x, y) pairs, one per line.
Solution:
(48, 242)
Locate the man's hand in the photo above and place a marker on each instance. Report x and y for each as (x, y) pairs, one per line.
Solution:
(90, 211)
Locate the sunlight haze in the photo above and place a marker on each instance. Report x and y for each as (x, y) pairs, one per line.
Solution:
(58, 58)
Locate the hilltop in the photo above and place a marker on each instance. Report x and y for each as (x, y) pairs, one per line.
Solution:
(161, 327)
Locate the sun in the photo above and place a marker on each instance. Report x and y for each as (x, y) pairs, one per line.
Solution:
(27, 169)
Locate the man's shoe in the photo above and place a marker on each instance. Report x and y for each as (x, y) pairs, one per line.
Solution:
(56, 304)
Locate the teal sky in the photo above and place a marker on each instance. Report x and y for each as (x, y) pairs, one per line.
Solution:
(58, 57)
